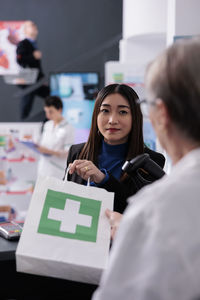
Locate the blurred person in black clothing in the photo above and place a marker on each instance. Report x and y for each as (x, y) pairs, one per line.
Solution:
(28, 56)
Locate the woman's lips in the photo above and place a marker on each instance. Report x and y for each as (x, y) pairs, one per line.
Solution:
(113, 129)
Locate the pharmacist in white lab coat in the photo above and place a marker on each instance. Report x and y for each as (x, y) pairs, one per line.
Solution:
(57, 137)
(156, 249)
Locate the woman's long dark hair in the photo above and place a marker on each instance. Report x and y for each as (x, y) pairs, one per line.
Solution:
(91, 149)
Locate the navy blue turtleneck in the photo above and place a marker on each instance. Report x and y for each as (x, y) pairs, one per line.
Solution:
(111, 159)
(33, 42)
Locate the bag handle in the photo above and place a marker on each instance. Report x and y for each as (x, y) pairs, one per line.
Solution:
(66, 176)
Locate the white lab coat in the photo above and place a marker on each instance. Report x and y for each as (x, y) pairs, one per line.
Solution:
(59, 137)
(156, 253)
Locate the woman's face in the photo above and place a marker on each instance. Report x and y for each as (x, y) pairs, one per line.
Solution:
(114, 120)
(30, 29)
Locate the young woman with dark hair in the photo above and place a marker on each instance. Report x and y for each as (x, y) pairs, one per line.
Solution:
(116, 135)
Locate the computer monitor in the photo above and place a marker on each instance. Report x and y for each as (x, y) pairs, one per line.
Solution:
(78, 92)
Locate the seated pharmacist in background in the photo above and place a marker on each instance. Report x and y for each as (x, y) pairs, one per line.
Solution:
(156, 251)
(57, 137)
(116, 135)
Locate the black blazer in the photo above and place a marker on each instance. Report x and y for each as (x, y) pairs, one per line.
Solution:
(123, 189)
(25, 56)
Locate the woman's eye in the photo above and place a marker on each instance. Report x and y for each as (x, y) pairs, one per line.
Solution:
(123, 112)
(104, 110)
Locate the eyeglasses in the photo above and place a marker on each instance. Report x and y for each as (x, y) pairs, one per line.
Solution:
(145, 101)
(144, 105)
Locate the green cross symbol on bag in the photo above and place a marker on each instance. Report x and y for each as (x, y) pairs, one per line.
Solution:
(70, 216)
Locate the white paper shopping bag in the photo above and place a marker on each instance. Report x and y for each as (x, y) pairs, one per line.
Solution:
(66, 233)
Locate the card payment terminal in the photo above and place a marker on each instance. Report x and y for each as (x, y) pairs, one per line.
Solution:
(11, 230)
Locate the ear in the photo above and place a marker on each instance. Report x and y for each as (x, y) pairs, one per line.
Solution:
(162, 115)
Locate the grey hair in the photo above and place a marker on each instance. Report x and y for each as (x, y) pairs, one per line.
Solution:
(174, 77)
